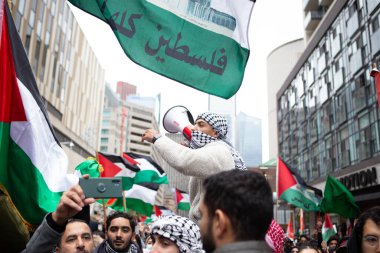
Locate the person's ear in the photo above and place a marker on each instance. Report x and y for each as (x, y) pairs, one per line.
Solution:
(221, 224)
(215, 133)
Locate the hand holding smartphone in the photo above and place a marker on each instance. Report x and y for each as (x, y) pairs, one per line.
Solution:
(102, 187)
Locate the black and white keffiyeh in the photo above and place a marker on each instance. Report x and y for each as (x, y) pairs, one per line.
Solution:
(219, 124)
(132, 248)
(180, 230)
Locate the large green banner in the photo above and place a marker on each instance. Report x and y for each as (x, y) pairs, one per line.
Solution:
(202, 44)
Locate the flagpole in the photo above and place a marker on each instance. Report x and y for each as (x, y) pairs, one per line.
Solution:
(277, 200)
(123, 192)
(175, 199)
(104, 214)
(124, 202)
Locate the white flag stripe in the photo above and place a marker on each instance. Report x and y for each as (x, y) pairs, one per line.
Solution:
(139, 192)
(35, 138)
(146, 165)
(238, 9)
(185, 198)
(125, 172)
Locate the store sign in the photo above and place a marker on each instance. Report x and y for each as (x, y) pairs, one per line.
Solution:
(361, 179)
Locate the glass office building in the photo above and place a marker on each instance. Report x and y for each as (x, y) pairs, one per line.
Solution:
(327, 109)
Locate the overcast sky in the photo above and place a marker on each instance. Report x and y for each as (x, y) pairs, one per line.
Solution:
(273, 23)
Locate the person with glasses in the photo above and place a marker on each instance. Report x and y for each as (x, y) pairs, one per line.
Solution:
(366, 234)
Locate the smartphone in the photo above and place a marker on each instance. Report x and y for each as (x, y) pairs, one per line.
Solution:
(103, 187)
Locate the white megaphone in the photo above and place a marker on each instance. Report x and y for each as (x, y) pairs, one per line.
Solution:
(178, 119)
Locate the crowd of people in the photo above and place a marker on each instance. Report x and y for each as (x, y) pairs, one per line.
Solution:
(364, 238)
(231, 210)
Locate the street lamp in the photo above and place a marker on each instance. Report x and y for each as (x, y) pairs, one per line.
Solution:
(68, 143)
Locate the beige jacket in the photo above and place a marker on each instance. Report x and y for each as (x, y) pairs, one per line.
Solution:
(196, 163)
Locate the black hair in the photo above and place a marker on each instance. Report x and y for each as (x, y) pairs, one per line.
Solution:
(245, 197)
(69, 222)
(333, 238)
(306, 246)
(370, 214)
(127, 216)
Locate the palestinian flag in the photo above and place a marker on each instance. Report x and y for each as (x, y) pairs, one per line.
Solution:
(149, 170)
(157, 211)
(183, 200)
(302, 222)
(140, 198)
(328, 229)
(293, 189)
(289, 229)
(116, 166)
(33, 165)
(162, 211)
(133, 168)
(202, 44)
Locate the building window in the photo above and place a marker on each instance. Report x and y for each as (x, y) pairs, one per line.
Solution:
(357, 52)
(363, 139)
(18, 18)
(375, 25)
(359, 98)
(329, 158)
(105, 131)
(325, 118)
(103, 140)
(36, 57)
(315, 164)
(304, 172)
(52, 83)
(21, 7)
(302, 144)
(341, 108)
(336, 39)
(43, 62)
(313, 129)
(311, 104)
(343, 147)
(294, 144)
(338, 73)
(40, 20)
(28, 38)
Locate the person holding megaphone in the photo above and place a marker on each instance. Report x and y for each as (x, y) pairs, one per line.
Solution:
(208, 152)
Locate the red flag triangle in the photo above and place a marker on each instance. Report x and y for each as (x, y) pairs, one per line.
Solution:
(328, 223)
(285, 178)
(157, 211)
(110, 169)
(11, 106)
(178, 195)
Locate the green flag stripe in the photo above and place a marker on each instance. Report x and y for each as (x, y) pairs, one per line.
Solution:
(184, 206)
(296, 198)
(139, 206)
(26, 186)
(144, 176)
(326, 234)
